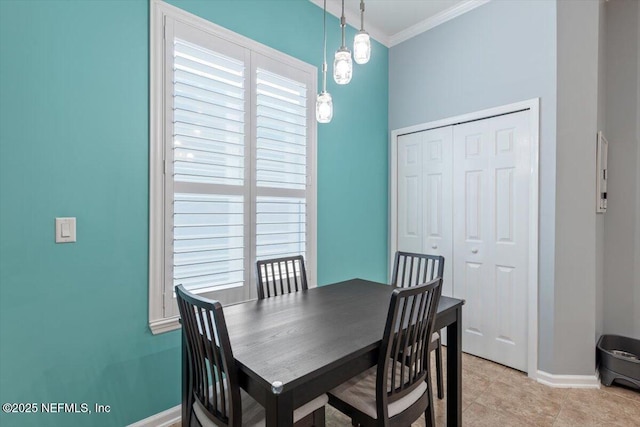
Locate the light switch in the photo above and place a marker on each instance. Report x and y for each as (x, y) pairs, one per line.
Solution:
(65, 230)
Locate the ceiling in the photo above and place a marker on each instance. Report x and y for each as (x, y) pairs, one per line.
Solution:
(393, 21)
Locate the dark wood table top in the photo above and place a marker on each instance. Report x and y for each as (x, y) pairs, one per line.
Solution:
(297, 337)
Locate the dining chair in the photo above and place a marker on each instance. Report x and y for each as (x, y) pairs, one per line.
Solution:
(214, 394)
(280, 276)
(397, 391)
(411, 269)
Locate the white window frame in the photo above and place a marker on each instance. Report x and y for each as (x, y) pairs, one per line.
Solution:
(158, 320)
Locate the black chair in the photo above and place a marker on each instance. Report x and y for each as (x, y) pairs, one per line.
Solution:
(281, 276)
(397, 391)
(214, 395)
(411, 269)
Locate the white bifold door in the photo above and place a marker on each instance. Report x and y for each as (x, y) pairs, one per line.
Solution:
(425, 191)
(463, 192)
(491, 208)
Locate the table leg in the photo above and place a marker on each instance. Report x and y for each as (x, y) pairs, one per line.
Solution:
(454, 371)
(279, 410)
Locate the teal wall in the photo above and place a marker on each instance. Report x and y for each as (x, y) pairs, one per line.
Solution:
(74, 141)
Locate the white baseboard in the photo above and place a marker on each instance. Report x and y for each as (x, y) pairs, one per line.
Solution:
(162, 419)
(568, 381)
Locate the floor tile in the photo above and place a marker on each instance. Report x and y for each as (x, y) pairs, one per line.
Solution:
(496, 396)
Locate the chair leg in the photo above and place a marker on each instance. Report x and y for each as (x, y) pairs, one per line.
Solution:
(319, 417)
(429, 417)
(439, 370)
(429, 413)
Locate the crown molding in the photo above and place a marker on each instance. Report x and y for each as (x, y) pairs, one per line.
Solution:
(353, 19)
(435, 20)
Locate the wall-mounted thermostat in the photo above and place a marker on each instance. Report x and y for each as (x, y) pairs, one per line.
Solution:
(601, 181)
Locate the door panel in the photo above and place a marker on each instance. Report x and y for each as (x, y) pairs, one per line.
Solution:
(504, 205)
(434, 206)
(437, 175)
(410, 234)
(471, 287)
(473, 205)
(490, 234)
(424, 196)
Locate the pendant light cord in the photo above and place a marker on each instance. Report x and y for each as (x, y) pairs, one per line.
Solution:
(361, 15)
(324, 64)
(343, 23)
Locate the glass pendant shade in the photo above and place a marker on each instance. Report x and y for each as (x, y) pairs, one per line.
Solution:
(324, 107)
(342, 66)
(362, 47)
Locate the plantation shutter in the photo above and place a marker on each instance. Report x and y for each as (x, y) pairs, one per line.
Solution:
(207, 168)
(238, 143)
(281, 165)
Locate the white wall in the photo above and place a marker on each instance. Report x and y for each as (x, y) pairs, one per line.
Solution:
(637, 263)
(622, 220)
(499, 53)
(600, 218)
(577, 113)
(581, 59)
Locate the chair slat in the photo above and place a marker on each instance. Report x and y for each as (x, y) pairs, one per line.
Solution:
(281, 276)
(288, 276)
(215, 358)
(411, 269)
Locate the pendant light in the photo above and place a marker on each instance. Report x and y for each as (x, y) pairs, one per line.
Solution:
(361, 42)
(342, 64)
(324, 104)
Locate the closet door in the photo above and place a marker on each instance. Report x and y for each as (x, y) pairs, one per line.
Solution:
(425, 196)
(490, 235)
(410, 199)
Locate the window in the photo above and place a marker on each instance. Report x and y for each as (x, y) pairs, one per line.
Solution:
(232, 161)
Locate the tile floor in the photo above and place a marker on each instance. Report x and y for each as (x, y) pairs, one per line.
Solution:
(497, 396)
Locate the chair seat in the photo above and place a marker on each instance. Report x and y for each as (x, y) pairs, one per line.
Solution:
(253, 414)
(360, 393)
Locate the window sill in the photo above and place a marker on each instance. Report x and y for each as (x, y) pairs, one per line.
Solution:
(160, 326)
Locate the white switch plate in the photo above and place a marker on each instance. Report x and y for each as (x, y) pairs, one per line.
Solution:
(65, 230)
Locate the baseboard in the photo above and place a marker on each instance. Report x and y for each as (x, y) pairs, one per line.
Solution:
(568, 381)
(162, 419)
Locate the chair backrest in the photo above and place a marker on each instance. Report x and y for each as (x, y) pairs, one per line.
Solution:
(405, 344)
(281, 276)
(411, 269)
(213, 380)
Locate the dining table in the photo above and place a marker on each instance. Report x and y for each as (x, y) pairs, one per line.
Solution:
(293, 348)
